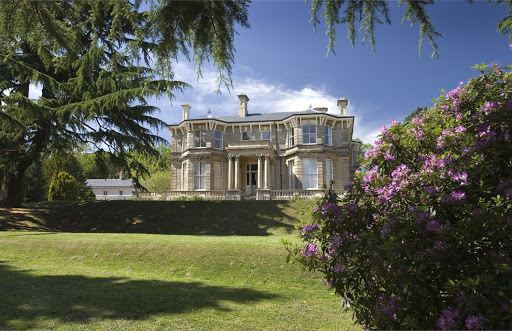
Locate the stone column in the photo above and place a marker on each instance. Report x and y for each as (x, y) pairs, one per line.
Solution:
(237, 170)
(230, 172)
(267, 171)
(260, 171)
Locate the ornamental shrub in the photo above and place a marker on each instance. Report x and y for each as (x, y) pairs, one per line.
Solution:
(423, 238)
(63, 187)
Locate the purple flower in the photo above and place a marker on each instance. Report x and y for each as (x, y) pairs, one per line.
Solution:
(388, 156)
(418, 133)
(388, 306)
(460, 129)
(422, 215)
(418, 120)
(338, 268)
(475, 322)
(439, 245)
(433, 226)
(489, 106)
(454, 197)
(309, 250)
(370, 176)
(460, 177)
(431, 190)
(351, 206)
(335, 242)
(330, 208)
(448, 319)
(308, 228)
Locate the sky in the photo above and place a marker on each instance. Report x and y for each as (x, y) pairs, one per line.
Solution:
(281, 64)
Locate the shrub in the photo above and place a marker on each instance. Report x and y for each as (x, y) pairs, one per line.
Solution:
(63, 187)
(423, 240)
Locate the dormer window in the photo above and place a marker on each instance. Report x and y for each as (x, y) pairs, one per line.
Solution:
(328, 135)
(200, 138)
(309, 134)
(265, 135)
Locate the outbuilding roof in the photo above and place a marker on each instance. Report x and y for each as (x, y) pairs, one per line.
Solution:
(111, 182)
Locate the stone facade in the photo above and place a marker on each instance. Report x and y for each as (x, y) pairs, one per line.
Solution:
(249, 154)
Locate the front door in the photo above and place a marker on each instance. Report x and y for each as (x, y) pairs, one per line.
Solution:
(251, 179)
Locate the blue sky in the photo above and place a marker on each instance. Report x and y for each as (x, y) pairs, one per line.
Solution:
(281, 64)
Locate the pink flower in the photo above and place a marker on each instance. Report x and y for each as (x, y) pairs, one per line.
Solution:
(309, 250)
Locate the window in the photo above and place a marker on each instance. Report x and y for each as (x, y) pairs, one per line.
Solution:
(291, 175)
(265, 135)
(183, 176)
(120, 192)
(200, 138)
(309, 171)
(328, 172)
(105, 192)
(328, 135)
(218, 182)
(309, 134)
(218, 143)
(199, 176)
(291, 137)
(246, 135)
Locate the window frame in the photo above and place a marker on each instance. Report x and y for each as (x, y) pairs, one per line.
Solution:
(221, 140)
(291, 137)
(312, 132)
(249, 133)
(291, 174)
(330, 172)
(200, 138)
(265, 132)
(327, 135)
(309, 176)
(200, 175)
(218, 176)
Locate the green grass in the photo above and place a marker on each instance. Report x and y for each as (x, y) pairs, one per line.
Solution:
(150, 281)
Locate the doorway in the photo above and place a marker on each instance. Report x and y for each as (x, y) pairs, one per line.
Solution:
(251, 180)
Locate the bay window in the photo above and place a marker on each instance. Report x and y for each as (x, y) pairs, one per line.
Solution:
(200, 138)
(309, 134)
(310, 174)
(199, 176)
(328, 135)
(218, 139)
(328, 172)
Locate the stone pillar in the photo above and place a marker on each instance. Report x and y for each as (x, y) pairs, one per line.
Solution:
(230, 172)
(260, 172)
(267, 172)
(237, 172)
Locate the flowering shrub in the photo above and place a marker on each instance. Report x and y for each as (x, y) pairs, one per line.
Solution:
(423, 239)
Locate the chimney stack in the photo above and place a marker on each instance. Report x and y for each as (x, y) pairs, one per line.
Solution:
(342, 105)
(244, 99)
(186, 111)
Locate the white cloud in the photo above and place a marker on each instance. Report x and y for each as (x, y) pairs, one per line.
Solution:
(35, 91)
(264, 97)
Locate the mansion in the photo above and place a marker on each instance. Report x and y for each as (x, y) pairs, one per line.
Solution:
(281, 155)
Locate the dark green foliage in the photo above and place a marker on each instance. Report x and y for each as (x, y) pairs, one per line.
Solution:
(92, 59)
(364, 15)
(63, 187)
(34, 182)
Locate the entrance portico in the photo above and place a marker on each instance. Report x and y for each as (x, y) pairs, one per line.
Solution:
(249, 173)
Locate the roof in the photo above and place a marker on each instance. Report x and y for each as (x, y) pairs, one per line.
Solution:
(265, 117)
(109, 182)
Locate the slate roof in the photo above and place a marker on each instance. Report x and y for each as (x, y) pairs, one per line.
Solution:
(109, 182)
(259, 117)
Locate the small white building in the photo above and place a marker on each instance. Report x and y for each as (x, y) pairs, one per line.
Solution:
(111, 189)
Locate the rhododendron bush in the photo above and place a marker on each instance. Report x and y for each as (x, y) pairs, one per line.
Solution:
(423, 238)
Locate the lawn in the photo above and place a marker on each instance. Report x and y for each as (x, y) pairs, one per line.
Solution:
(81, 276)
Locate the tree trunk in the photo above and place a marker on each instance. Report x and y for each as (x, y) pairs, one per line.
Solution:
(11, 193)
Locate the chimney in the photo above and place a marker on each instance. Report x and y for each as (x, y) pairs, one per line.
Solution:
(186, 111)
(342, 105)
(320, 109)
(244, 99)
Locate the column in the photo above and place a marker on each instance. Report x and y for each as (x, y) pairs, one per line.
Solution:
(267, 172)
(230, 172)
(237, 170)
(260, 171)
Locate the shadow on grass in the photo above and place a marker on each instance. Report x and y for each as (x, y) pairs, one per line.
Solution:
(26, 298)
(249, 218)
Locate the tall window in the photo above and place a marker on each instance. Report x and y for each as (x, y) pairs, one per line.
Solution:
(218, 178)
(291, 175)
(200, 138)
(183, 176)
(328, 172)
(265, 135)
(309, 134)
(310, 174)
(328, 135)
(291, 137)
(218, 140)
(199, 176)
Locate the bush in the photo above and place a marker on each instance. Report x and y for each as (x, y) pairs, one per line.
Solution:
(63, 187)
(423, 238)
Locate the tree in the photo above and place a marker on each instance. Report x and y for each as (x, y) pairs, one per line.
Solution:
(92, 59)
(422, 240)
(365, 15)
(63, 187)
